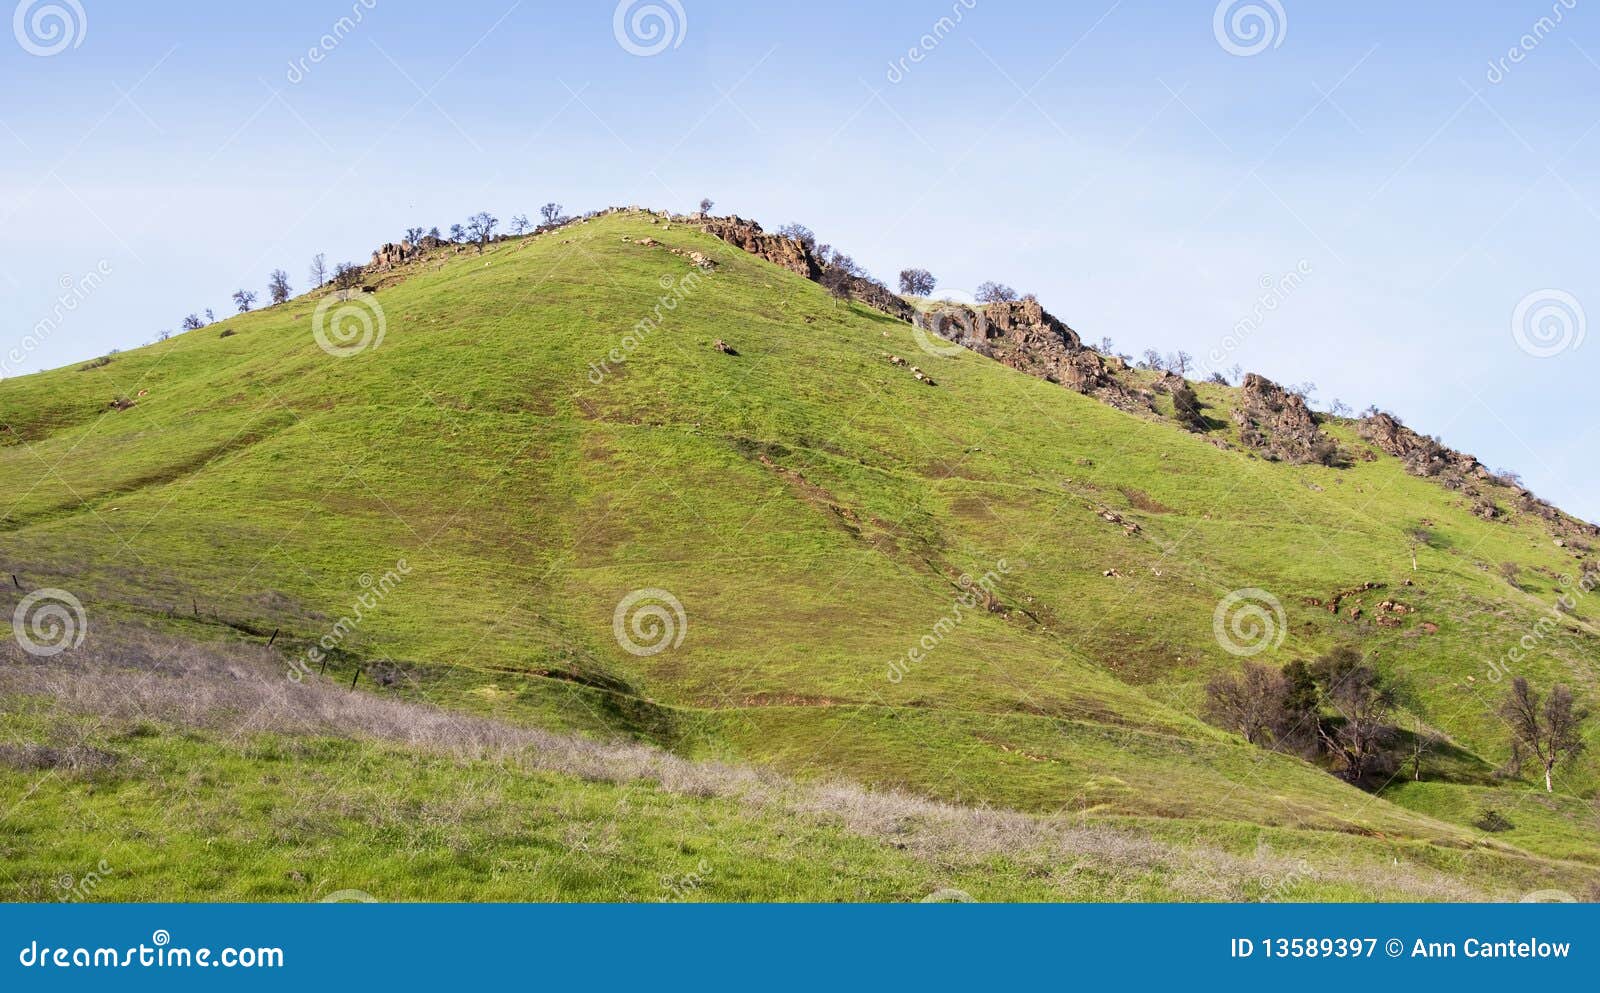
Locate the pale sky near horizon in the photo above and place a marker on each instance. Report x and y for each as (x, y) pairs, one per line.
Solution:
(1146, 168)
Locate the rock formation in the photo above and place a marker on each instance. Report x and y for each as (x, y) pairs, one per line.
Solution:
(1026, 337)
(1278, 424)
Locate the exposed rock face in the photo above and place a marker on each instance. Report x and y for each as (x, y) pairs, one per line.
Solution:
(775, 248)
(1421, 455)
(391, 255)
(1278, 424)
(1026, 337)
(1430, 459)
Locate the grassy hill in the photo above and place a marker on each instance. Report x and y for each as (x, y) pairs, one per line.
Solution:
(519, 453)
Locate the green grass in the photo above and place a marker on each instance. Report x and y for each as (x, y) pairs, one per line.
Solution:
(810, 505)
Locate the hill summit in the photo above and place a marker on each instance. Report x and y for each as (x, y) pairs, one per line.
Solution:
(678, 482)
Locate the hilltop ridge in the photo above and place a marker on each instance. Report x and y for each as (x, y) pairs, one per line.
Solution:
(1007, 587)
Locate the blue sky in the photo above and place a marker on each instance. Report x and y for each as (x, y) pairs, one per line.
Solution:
(1139, 165)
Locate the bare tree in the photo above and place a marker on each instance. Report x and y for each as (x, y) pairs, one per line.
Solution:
(800, 233)
(1180, 362)
(210, 317)
(1423, 743)
(480, 228)
(706, 205)
(1250, 704)
(346, 276)
(1550, 731)
(458, 234)
(992, 292)
(243, 299)
(520, 224)
(917, 282)
(1361, 739)
(1152, 360)
(415, 235)
(551, 212)
(192, 323)
(1107, 346)
(278, 286)
(319, 270)
(840, 275)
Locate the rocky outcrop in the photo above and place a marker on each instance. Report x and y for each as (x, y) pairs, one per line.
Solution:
(392, 254)
(1026, 337)
(1279, 425)
(1429, 458)
(1421, 455)
(791, 254)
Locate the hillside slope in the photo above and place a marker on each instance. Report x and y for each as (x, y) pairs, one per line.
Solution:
(569, 418)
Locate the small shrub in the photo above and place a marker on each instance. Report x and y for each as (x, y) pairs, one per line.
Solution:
(1491, 820)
